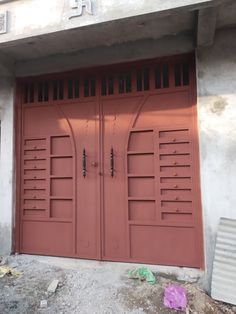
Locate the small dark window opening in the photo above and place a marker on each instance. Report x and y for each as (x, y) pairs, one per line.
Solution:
(178, 75)
(139, 80)
(121, 84)
(43, 91)
(31, 92)
(58, 90)
(128, 82)
(185, 74)
(125, 83)
(158, 78)
(93, 87)
(73, 88)
(54, 90)
(40, 92)
(146, 79)
(46, 91)
(70, 89)
(110, 86)
(76, 88)
(26, 93)
(61, 90)
(165, 75)
(104, 86)
(89, 87)
(86, 88)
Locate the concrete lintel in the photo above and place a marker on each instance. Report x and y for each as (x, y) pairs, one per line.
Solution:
(141, 49)
(206, 26)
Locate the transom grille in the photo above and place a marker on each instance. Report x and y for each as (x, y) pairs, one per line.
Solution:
(158, 76)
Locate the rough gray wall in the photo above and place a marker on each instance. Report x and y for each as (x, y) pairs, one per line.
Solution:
(216, 79)
(37, 17)
(6, 164)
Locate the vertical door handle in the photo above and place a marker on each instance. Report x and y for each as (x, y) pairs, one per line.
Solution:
(84, 163)
(112, 162)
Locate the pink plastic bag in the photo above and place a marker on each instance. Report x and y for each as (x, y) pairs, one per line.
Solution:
(175, 297)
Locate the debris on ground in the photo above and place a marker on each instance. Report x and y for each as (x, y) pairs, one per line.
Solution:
(175, 297)
(53, 286)
(143, 273)
(3, 260)
(92, 287)
(6, 270)
(13, 265)
(43, 304)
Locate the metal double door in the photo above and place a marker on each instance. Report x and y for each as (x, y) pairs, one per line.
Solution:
(111, 179)
(108, 169)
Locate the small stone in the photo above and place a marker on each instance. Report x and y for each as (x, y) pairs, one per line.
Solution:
(53, 286)
(43, 304)
(13, 265)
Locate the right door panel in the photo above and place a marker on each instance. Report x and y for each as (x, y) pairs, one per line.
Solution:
(151, 203)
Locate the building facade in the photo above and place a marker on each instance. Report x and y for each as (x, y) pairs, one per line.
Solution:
(117, 129)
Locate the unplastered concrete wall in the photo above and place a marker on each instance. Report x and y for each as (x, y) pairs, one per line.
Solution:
(6, 164)
(216, 78)
(37, 17)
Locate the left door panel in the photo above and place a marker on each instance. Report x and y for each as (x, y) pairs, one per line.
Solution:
(57, 216)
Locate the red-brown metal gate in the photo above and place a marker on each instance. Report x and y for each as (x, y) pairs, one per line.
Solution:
(108, 164)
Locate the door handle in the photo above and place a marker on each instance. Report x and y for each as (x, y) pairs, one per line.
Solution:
(84, 163)
(112, 162)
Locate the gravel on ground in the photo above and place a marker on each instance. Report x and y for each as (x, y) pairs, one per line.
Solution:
(91, 287)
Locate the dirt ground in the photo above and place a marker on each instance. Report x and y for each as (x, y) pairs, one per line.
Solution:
(91, 288)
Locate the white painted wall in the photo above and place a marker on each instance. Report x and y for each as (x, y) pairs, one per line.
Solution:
(6, 164)
(216, 78)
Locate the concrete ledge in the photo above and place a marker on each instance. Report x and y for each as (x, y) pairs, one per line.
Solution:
(180, 273)
(131, 51)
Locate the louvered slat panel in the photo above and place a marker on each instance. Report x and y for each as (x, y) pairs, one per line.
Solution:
(224, 267)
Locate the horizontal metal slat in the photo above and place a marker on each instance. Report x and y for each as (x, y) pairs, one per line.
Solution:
(224, 266)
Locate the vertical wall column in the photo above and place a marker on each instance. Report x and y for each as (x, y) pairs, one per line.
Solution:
(216, 69)
(6, 163)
